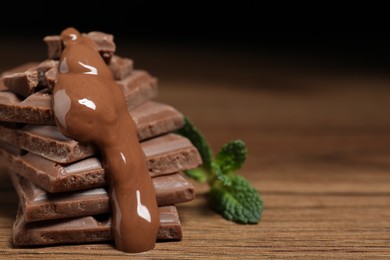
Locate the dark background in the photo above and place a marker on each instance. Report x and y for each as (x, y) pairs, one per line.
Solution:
(329, 35)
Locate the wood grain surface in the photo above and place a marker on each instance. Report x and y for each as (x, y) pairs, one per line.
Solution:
(318, 152)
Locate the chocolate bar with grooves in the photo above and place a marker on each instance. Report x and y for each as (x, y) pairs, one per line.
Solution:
(85, 229)
(39, 205)
(104, 41)
(152, 119)
(165, 155)
(120, 68)
(43, 75)
(138, 87)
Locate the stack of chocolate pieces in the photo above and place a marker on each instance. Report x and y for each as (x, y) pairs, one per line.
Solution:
(60, 182)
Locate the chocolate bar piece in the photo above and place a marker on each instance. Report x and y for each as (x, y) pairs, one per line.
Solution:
(50, 78)
(35, 109)
(138, 87)
(38, 204)
(120, 67)
(22, 83)
(166, 154)
(85, 229)
(152, 119)
(43, 75)
(17, 69)
(104, 42)
(29, 81)
(2, 86)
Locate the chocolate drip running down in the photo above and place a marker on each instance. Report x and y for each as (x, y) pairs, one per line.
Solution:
(89, 106)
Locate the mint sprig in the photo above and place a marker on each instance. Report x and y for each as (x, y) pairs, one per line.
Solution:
(231, 195)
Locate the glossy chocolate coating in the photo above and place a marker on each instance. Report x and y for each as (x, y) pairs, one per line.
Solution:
(89, 106)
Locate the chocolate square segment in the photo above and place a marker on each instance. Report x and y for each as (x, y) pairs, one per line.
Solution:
(152, 119)
(165, 155)
(38, 205)
(138, 87)
(104, 41)
(85, 229)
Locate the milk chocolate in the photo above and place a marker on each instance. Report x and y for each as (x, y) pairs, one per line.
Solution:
(29, 81)
(85, 229)
(38, 204)
(152, 119)
(138, 87)
(120, 67)
(54, 46)
(104, 41)
(20, 68)
(166, 154)
(22, 83)
(2, 86)
(42, 75)
(35, 109)
(17, 69)
(50, 77)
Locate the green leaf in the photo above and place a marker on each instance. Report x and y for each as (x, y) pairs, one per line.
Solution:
(232, 156)
(230, 195)
(198, 140)
(219, 175)
(239, 202)
(198, 174)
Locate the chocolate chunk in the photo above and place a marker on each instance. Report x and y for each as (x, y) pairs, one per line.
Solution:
(22, 83)
(38, 204)
(152, 119)
(2, 86)
(138, 87)
(29, 81)
(85, 229)
(39, 76)
(17, 69)
(20, 68)
(42, 69)
(8, 151)
(46, 65)
(104, 42)
(34, 109)
(166, 154)
(50, 77)
(54, 46)
(120, 67)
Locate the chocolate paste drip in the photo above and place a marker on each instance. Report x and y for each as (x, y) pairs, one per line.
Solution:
(89, 106)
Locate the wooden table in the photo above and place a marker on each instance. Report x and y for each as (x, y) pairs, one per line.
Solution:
(319, 153)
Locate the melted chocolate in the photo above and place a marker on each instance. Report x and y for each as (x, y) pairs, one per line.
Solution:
(89, 106)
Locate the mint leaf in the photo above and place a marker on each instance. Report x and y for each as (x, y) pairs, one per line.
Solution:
(239, 202)
(232, 156)
(198, 174)
(230, 195)
(197, 139)
(218, 175)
